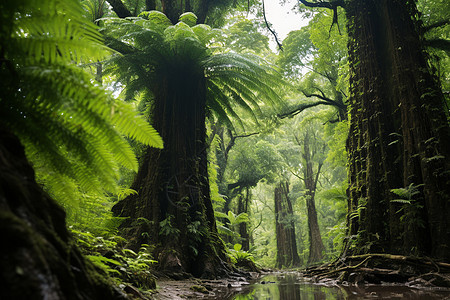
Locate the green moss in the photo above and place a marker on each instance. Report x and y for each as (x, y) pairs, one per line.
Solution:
(199, 288)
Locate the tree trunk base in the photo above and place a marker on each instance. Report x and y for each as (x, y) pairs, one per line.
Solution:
(38, 257)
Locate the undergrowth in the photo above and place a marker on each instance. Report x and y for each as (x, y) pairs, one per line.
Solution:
(123, 266)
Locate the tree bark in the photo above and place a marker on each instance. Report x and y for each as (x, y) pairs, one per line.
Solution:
(287, 255)
(399, 135)
(120, 9)
(243, 228)
(202, 11)
(173, 186)
(38, 257)
(150, 5)
(172, 9)
(316, 246)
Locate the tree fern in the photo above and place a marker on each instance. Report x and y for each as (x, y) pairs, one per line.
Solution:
(152, 46)
(70, 127)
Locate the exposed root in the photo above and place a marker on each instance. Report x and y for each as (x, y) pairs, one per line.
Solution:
(378, 268)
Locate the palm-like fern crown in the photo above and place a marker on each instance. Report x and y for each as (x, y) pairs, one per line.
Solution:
(152, 47)
(68, 125)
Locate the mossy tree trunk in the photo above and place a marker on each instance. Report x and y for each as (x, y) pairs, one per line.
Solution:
(173, 208)
(38, 257)
(399, 135)
(287, 255)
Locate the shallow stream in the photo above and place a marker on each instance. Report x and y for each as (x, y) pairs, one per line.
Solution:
(291, 286)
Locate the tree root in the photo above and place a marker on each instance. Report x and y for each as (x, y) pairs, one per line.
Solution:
(378, 268)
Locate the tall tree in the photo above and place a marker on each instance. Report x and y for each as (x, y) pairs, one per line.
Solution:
(311, 178)
(287, 255)
(183, 82)
(399, 134)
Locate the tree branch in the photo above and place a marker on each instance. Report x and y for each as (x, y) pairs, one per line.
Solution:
(301, 108)
(233, 140)
(235, 185)
(296, 175)
(317, 72)
(331, 5)
(322, 96)
(280, 46)
(247, 135)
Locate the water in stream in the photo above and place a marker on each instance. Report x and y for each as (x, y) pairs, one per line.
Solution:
(290, 286)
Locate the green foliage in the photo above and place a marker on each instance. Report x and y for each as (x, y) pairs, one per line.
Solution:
(252, 161)
(71, 128)
(406, 194)
(434, 16)
(233, 221)
(121, 264)
(411, 207)
(243, 35)
(167, 228)
(315, 61)
(155, 52)
(238, 256)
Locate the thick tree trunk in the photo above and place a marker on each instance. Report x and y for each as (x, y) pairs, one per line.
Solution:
(150, 5)
(399, 135)
(287, 255)
(120, 9)
(38, 257)
(202, 11)
(172, 9)
(174, 196)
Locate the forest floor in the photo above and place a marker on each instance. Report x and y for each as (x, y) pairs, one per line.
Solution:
(194, 288)
(371, 269)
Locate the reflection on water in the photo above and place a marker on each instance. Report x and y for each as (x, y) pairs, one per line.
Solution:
(290, 286)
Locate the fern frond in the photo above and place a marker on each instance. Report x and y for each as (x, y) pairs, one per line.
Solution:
(136, 127)
(45, 34)
(224, 102)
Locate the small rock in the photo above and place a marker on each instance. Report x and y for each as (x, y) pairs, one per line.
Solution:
(199, 288)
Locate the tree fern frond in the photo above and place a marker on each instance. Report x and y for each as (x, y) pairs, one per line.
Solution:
(156, 18)
(239, 101)
(46, 34)
(206, 34)
(224, 102)
(215, 107)
(188, 18)
(243, 85)
(136, 127)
